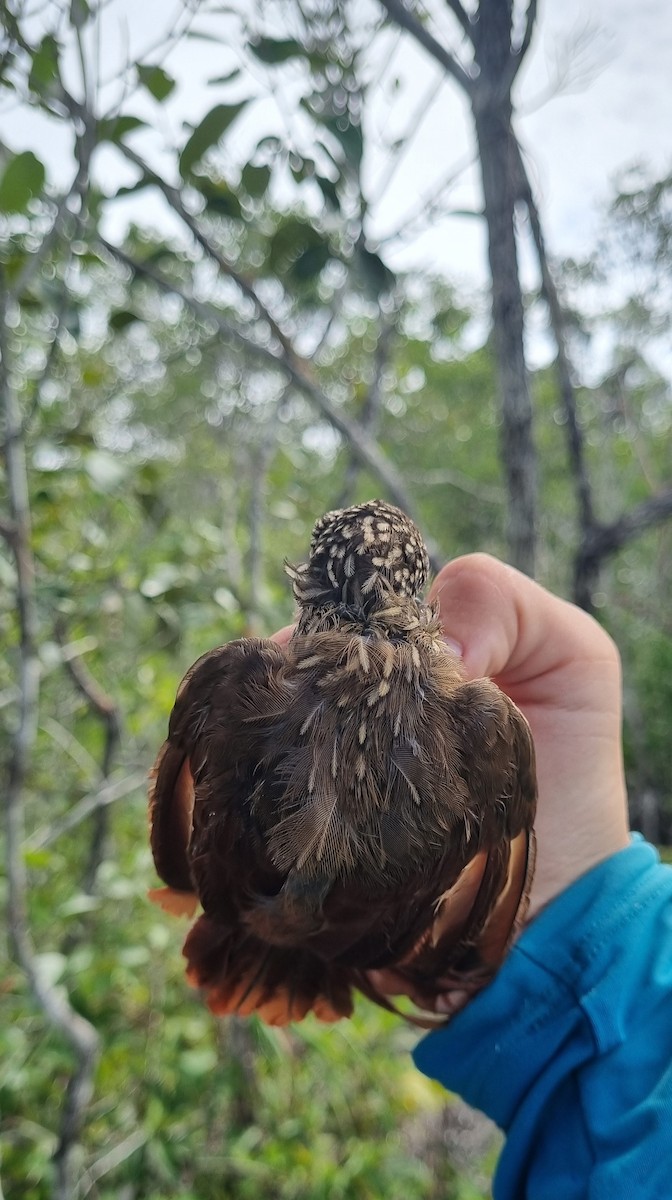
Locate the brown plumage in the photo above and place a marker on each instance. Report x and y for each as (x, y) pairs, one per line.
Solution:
(346, 801)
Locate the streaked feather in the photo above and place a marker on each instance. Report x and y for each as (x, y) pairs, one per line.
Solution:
(346, 801)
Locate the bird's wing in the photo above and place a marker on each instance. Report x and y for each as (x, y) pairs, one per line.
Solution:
(209, 841)
(477, 914)
(206, 737)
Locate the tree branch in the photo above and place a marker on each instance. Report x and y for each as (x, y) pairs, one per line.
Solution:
(518, 55)
(449, 477)
(296, 369)
(370, 413)
(363, 446)
(462, 16)
(175, 201)
(606, 540)
(108, 712)
(101, 798)
(406, 20)
(36, 259)
(260, 460)
(575, 439)
(53, 1001)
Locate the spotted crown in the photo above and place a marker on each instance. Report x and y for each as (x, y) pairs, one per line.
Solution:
(366, 544)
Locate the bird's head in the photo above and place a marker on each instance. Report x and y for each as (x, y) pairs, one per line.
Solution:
(361, 555)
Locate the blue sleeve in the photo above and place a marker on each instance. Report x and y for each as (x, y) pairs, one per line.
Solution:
(569, 1049)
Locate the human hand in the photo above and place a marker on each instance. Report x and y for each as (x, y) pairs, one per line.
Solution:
(563, 671)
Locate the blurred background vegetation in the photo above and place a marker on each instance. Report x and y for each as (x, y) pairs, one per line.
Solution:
(181, 397)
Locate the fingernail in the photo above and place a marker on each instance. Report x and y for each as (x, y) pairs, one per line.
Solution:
(454, 646)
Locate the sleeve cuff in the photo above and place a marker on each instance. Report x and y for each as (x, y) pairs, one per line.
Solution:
(558, 1000)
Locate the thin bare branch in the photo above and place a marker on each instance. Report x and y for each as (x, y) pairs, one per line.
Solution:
(550, 295)
(597, 540)
(407, 20)
(370, 414)
(42, 839)
(261, 456)
(175, 201)
(405, 141)
(287, 360)
(519, 53)
(113, 1159)
(96, 698)
(108, 712)
(450, 477)
(299, 373)
(462, 16)
(605, 540)
(53, 1001)
(608, 539)
(38, 257)
(429, 204)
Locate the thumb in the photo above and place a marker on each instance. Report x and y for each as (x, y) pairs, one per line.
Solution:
(509, 627)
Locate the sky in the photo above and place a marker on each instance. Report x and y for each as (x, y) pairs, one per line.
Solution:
(613, 108)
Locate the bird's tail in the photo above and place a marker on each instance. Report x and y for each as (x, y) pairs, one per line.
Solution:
(242, 975)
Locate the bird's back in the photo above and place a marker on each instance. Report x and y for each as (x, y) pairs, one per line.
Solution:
(345, 801)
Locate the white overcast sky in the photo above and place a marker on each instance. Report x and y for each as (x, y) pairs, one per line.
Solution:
(616, 111)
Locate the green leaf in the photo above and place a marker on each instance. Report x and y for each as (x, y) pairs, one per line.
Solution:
(157, 81)
(310, 262)
(225, 78)
(218, 196)
(113, 129)
(255, 180)
(199, 1061)
(276, 50)
(22, 180)
(344, 130)
(298, 249)
(377, 277)
(207, 134)
(350, 137)
(129, 188)
(37, 859)
(195, 35)
(122, 318)
(80, 13)
(44, 70)
(329, 191)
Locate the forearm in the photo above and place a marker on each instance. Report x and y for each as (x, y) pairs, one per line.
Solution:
(570, 1048)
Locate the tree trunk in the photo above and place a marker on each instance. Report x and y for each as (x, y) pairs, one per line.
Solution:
(493, 132)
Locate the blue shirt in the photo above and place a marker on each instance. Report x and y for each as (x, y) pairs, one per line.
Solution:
(569, 1049)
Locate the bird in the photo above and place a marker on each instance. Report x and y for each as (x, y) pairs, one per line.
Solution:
(348, 802)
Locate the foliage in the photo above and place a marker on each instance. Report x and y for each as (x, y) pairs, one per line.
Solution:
(188, 401)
